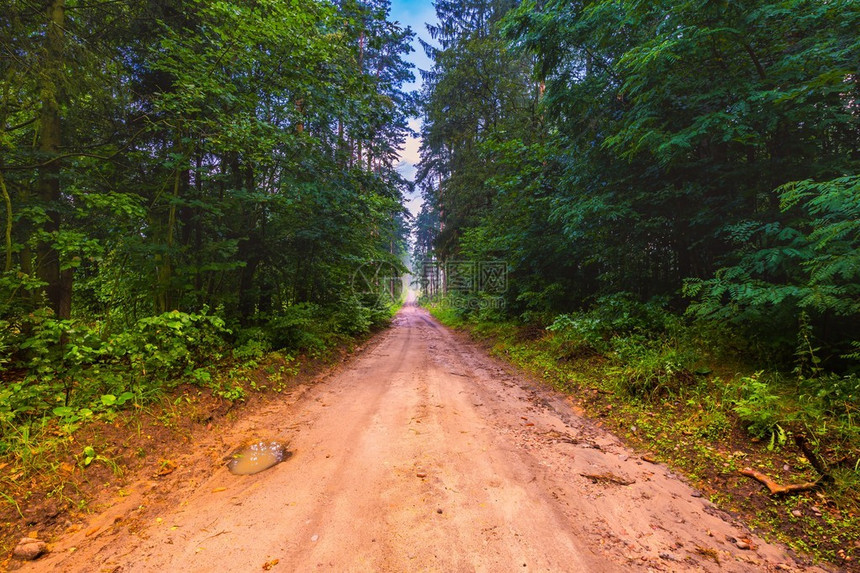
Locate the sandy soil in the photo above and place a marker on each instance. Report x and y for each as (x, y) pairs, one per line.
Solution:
(420, 454)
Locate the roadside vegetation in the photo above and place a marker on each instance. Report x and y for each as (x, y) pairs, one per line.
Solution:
(58, 465)
(72, 428)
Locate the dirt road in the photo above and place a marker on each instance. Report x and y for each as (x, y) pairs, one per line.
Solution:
(421, 454)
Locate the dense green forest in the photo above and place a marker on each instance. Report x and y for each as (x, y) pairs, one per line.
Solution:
(700, 156)
(703, 155)
(185, 178)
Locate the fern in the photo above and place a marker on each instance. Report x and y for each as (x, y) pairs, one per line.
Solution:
(808, 269)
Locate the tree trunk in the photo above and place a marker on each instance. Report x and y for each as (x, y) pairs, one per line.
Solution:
(58, 284)
(165, 298)
(7, 235)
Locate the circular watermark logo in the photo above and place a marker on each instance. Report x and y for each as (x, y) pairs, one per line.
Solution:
(377, 283)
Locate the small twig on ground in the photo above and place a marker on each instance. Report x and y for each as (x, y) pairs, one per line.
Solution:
(709, 553)
(608, 477)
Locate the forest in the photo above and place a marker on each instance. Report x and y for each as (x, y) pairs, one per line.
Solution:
(673, 188)
(700, 155)
(183, 180)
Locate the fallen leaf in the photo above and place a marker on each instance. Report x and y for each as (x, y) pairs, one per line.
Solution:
(269, 564)
(33, 535)
(219, 489)
(92, 531)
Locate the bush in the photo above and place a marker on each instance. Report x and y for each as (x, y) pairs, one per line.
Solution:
(352, 318)
(763, 410)
(296, 327)
(578, 335)
(614, 317)
(620, 314)
(650, 368)
(72, 372)
(165, 346)
(251, 344)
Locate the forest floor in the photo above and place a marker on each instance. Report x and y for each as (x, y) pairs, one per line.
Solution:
(420, 453)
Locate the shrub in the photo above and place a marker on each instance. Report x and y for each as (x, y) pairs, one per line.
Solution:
(650, 368)
(164, 346)
(295, 327)
(761, 408)
(352, 318)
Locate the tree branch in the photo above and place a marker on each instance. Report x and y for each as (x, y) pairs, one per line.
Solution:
(759, 68)
(775, 488)
(20, 125)
(816, 462)
(55, 159)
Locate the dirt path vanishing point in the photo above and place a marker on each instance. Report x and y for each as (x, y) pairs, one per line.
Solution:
(421, 454)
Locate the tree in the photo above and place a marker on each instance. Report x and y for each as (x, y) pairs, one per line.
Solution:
(190, 155)
(624, 146)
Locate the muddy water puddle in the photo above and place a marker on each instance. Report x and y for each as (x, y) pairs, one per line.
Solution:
(257, 457)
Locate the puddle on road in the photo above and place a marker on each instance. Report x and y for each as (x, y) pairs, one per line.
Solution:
(257, 457)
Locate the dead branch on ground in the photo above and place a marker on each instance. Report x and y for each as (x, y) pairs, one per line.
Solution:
(775, 488)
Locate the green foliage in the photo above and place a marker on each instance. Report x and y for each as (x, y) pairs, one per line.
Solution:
(253, 348)
(351, 318)
(57, 350)
(617, 316)
(794, 274)
(761, 409)
(674, 144)
(109, 400)
(75, 375)
(255, 147)
(165, 346)
(89, 455)
(237, 156)
(824, 407)
(297, 327)
(649, 369)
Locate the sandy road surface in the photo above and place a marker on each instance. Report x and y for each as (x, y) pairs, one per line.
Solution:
(422, 454)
